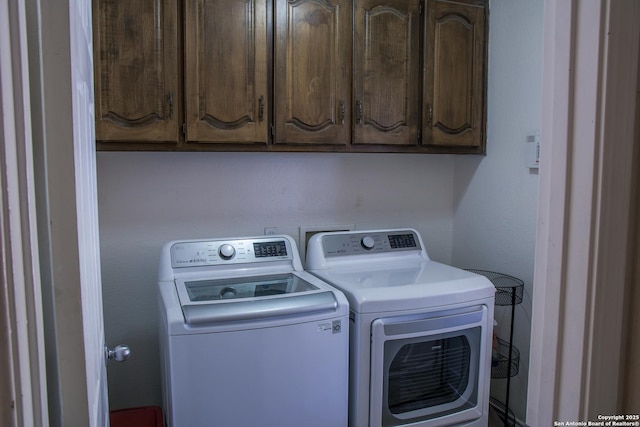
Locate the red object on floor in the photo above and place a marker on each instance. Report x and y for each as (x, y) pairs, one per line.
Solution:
(146, 416)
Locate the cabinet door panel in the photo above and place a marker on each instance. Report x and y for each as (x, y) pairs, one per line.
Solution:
(312, 76)
(226, 71)
(387, 72)
(455, 77)
(135, 51)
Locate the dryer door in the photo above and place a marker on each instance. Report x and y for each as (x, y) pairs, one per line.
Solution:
(425, 368)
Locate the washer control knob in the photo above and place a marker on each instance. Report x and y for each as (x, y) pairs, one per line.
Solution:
(367, 242)
(226, 251)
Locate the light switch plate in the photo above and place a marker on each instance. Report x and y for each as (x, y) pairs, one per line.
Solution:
(533, 151)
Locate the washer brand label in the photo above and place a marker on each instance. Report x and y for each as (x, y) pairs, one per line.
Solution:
(324, 327)
(335, 327)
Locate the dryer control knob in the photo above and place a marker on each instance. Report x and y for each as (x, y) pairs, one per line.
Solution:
(226, 251)
(367, 242)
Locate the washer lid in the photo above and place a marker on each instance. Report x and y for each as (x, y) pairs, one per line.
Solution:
(405, 285)
(244, 298)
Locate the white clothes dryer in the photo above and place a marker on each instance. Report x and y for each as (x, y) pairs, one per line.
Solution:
(420, 333)
(247, 338)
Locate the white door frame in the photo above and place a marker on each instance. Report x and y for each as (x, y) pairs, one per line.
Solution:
(589, 80)
(66, 184)
(632, 387)
(23, 399)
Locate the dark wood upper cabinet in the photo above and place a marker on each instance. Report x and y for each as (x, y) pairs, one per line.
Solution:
(226, 69)
(291, 75)
(136, 70)
(312, 77)
(387, 72)
(455, 75)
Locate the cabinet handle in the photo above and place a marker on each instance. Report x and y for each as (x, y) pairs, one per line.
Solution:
(170, 96)
(342, 112)
(359, 111)
(429, 115)
(261, 108)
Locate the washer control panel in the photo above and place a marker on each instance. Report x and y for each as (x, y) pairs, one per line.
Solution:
(216, 252)
(343, 244)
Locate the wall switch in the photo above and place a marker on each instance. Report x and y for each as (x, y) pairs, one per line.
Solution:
(533, 151)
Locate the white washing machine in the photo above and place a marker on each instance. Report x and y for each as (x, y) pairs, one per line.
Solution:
(421, 331)
(248, 338)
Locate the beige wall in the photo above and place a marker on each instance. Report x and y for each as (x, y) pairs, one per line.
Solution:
(494, 226)
(148, 199)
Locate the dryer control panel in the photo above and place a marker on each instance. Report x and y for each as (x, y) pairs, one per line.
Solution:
(362, 243)
(215, 252)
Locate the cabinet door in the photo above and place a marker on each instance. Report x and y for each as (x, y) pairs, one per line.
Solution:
(455, 79)
(136, 78)
(312, 71)
(226, 71)
(386, 74)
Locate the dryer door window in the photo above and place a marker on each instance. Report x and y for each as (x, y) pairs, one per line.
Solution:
(425, 373)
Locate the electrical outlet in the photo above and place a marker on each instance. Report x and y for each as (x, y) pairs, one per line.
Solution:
(307, 231)
(268, 231)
